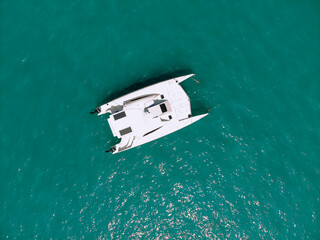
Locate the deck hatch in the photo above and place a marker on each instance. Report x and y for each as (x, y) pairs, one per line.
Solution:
(119, 115)
(125, 131)
(163, 108)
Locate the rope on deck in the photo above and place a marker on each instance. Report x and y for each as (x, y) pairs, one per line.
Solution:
(195, 80)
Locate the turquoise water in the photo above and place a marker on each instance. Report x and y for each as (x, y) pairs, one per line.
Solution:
(250, 170)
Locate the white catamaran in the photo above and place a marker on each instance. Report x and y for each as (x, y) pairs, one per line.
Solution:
(149, 113)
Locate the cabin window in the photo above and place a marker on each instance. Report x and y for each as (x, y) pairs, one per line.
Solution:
(119, 115)
(125, 131)
(163, 108)
(152, 131)
(135, 99)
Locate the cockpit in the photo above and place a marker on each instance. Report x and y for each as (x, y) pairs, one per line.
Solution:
(157, 109)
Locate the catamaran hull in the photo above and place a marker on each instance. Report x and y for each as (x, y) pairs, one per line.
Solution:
(149, 113)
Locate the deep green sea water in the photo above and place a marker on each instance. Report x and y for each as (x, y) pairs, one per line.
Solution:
(250, 170)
